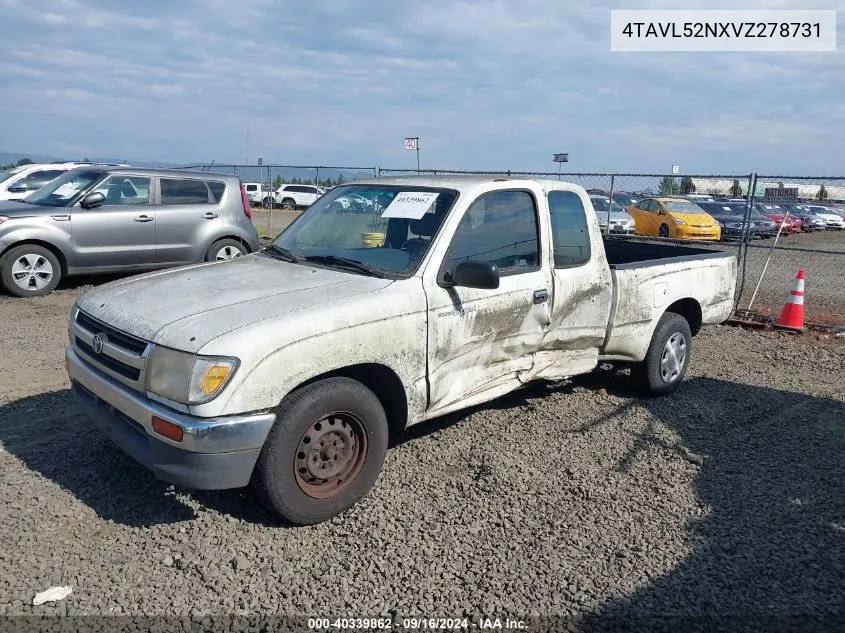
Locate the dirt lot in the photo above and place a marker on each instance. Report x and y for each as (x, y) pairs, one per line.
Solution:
(575, 500)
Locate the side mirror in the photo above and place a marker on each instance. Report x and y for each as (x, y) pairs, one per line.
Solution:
(475, 274)
(18, 187)
(93, 200)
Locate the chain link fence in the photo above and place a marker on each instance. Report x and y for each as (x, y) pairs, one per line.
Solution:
(768, 264)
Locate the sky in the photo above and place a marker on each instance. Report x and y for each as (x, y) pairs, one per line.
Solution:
(484, 84)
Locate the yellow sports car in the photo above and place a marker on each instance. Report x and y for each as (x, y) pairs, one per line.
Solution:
(674, 217)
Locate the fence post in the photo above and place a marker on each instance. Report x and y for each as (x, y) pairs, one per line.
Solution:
(609, 206)
(317, 177)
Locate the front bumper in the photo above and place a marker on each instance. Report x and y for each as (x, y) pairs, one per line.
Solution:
(695, 233)
(215, 454)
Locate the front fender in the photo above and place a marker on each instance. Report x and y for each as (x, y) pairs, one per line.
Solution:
(278, 356)
(17, 231)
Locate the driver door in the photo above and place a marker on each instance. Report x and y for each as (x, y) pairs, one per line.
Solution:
(120, 233)
(480, 340)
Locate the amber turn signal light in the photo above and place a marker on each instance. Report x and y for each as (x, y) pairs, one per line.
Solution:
(168, 429)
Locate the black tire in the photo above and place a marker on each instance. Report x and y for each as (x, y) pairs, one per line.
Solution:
(289, 204)
(223, 250)
(268, 202)
(663, 231)
(651, 373)
(280, 475)
(41, 267)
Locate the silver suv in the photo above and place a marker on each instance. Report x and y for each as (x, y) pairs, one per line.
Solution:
(121, 219)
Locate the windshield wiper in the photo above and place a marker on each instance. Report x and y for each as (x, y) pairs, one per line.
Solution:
(344, 262)
(281, 253)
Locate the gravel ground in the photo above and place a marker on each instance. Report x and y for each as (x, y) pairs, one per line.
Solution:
(575, 500)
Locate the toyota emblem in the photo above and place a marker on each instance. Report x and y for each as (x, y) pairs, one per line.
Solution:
(97, 342)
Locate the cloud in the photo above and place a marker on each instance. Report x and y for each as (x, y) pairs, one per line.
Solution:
(485, 84)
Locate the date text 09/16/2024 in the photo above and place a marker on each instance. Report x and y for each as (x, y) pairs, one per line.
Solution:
(417, 624)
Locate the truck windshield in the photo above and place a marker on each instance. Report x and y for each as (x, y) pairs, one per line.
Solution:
(385, 229)
(64, 190)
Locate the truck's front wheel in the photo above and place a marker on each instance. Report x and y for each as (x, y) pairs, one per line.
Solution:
(668, 355)
(324, 453)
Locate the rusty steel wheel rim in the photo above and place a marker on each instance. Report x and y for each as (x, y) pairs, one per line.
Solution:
(330, 455)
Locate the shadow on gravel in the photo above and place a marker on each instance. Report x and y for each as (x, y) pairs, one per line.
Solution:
(770, 554)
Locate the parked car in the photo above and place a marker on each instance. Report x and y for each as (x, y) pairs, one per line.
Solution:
(764, 226)
(786, 220)
(19, 182)
(121, 219)
(260, 193)
(832, 220)
(297, 196)
(731, 219)
(674, 217)
(622, 198)
(807, 220)
(292, 380)
(620, 221)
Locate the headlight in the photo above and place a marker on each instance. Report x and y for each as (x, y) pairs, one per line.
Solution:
(679, 221)
(188, 378)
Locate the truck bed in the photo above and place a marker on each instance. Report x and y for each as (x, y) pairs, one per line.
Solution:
(625, 253)
(650, 278)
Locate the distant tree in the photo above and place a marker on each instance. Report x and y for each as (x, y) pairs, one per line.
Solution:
(736, 190)
(24, 161)
(667, 185)
(86, 160)
(822, 194)
(278, 182)
(340, 179)
(687, 185)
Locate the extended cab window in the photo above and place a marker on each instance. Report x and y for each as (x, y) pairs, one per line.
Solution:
(570, 235)
(177, 191)
(501, 228)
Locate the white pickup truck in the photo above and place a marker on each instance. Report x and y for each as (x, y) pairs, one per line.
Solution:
(287, 369)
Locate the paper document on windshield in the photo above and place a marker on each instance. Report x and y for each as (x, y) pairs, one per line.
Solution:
(65, 190)
(410, 205)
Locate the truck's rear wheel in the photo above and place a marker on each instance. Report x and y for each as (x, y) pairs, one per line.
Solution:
(324, 453)
(666, 361)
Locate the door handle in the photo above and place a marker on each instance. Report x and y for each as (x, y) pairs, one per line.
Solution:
(209, 215)
(143, 218)
(61, 218)
(541, 296)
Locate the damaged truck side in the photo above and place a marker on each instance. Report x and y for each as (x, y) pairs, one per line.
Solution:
(388, 302)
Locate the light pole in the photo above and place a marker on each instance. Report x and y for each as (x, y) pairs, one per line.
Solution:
(560, 159)
(413, 143)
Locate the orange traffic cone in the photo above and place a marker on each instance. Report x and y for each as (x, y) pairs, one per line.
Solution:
(792, 317)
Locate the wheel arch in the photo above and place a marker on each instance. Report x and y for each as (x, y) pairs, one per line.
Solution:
(690, 309)
(382, 381)
(60, 255)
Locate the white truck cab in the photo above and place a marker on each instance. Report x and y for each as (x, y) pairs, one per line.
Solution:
(287, 369)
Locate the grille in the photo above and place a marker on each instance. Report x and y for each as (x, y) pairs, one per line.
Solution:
(116, 366)
(126, 341)
(121, 356)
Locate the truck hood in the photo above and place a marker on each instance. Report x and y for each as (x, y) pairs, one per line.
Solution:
(186, 308)
(16, 209)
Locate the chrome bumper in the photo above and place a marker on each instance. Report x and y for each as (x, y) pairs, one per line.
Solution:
(214, 453)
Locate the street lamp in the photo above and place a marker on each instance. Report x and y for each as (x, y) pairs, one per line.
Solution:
(560, 159)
